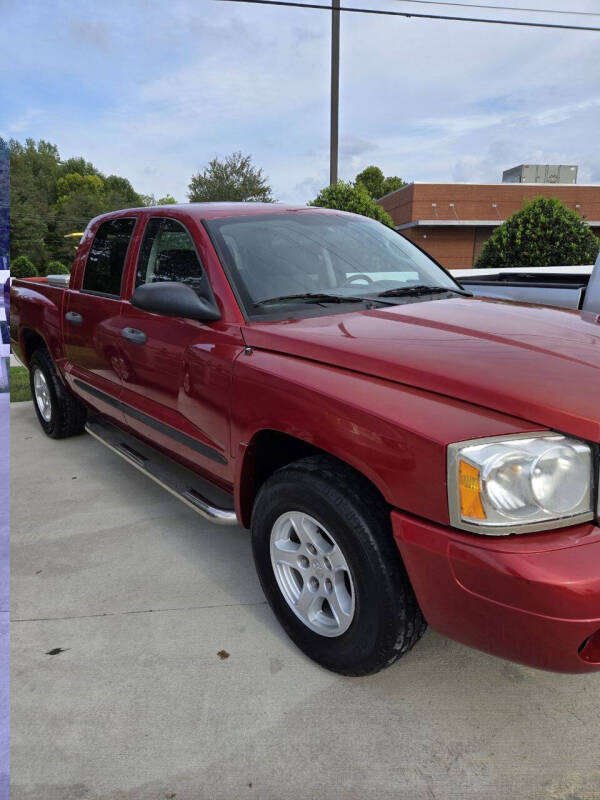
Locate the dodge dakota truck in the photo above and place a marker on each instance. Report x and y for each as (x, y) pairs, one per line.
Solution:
(404, 453)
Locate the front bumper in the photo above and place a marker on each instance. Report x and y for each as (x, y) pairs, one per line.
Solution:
(534, 599)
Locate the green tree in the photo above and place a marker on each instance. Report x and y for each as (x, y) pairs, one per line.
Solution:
(352, 197)
(119, 193)
(34, 171)
(22, 267)
(392, 183)
(544, 233)
(235, 179)
(372, 179)
(73, 182)
(33, 174)
(78, 165)
(376, 183)
(28, 232)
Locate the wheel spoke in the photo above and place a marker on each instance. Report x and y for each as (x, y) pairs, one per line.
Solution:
(336, 559)
(341, 602)
(309, 603)
(297, 522)
(285, 555)
(309, 533)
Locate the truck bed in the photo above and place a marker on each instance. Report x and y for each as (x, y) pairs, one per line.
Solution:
(36, 304)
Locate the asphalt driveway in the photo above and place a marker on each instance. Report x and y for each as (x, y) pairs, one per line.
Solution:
(175, 682)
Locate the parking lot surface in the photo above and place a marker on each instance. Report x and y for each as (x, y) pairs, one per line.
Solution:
(174, 680)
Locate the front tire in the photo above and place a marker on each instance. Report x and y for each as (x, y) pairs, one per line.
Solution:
(328, 565)
(58, 411)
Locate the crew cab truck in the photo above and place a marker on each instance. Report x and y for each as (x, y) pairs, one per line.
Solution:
(404, 453)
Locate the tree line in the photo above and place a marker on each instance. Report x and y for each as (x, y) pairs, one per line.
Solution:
(52, 200)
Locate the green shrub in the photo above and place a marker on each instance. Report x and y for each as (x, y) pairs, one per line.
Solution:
(57, 268)
(544, 233)
(352, 197)
(22, 267)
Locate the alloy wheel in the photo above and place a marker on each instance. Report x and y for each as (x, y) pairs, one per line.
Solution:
(312, 573)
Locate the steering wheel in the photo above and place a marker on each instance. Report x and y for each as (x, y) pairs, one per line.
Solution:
(361, 276)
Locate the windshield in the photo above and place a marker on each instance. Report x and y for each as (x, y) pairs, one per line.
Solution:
(277, 257)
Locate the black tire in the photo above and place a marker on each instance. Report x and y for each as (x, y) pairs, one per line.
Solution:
(387, 620)
(67, 414)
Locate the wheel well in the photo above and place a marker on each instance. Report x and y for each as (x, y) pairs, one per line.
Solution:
(32, 341)
(268, 451)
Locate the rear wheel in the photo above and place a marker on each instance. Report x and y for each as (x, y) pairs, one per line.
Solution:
(328, 565)
(58, 410)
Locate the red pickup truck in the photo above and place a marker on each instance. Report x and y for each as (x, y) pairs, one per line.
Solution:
(402, 452)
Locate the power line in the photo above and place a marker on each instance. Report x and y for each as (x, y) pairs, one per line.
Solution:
(382, 12)
(505, 8)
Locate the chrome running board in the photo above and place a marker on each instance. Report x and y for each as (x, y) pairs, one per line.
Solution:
(206, 499)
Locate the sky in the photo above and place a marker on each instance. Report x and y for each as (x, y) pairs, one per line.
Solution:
(153, 90)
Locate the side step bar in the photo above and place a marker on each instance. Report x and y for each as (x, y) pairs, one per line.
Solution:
(206, 499)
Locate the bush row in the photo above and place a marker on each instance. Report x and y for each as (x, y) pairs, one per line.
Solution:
(23, 267)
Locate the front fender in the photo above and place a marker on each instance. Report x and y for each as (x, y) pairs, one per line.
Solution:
(393, 434)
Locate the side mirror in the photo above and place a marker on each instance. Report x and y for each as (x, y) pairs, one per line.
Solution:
(174, 299)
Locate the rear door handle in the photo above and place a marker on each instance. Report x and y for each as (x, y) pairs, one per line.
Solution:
(74, 318)
(134, 335)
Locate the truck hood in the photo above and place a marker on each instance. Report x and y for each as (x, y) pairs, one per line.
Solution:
(539, 364)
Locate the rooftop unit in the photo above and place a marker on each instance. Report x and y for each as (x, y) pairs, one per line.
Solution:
(540, 173)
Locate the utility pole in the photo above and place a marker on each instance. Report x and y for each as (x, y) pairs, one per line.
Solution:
(335, 90)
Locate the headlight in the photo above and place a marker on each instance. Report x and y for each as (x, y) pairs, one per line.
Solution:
(528, 482)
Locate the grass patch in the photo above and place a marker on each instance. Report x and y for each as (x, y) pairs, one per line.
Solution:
(19, 384)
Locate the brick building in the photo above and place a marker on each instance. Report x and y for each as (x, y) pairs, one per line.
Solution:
(452, 221)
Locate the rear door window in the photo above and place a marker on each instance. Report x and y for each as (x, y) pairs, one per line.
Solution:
(168, 254)
(106, 259)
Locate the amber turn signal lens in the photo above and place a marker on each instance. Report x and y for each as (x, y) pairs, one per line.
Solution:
(470, 498)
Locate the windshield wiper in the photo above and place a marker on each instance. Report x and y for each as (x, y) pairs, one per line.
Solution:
(419, 289)
(311, 297)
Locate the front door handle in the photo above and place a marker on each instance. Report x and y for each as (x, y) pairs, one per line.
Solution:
(134, 335)
(74, 318)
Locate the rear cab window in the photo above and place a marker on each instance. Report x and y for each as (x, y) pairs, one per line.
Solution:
(106, 259)
(168, 253)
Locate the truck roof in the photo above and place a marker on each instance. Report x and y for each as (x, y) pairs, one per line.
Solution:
(212, 210)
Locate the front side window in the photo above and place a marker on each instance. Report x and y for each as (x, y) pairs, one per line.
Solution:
(168, 254)
(106, 259)
(286, 255)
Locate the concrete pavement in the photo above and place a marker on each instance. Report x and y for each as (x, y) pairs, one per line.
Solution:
(141, 595)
